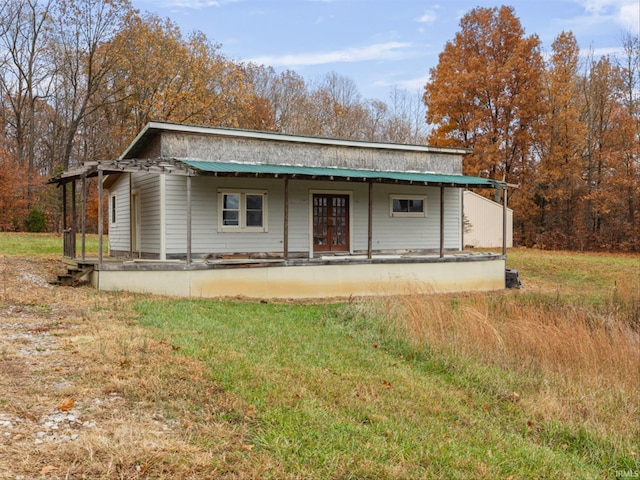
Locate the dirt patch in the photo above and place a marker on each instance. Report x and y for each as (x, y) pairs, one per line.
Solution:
(85, 393)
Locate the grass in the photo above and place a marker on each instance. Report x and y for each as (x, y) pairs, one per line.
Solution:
(526, 384)
(523, 384)
(42, 244)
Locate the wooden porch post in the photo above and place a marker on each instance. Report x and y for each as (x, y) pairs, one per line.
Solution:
(462, 220)
(370, 223)
(84, 216)
(285, 241)
(73, 219)
(64, 208)
(504, 223)
(131, 217)
(188, 220)
(100, 217)
(441, 221)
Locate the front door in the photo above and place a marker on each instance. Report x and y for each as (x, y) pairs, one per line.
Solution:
(330, 222)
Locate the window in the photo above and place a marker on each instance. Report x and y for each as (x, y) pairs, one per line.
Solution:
(113, 208)
(242, 211)
(408, 206)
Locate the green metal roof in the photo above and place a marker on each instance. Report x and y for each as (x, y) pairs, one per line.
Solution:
(346, 173)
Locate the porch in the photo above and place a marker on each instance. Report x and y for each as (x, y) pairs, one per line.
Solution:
(325, 276)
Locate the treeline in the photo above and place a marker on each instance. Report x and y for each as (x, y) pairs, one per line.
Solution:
(80, 78)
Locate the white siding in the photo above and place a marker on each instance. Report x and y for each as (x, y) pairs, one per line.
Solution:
(415, 232)
(389, 233)
(148, 187)
(204, 216)
(120, 231)
(485, 218)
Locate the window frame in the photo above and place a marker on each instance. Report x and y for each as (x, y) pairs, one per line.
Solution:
(395, 196)
(242, 211)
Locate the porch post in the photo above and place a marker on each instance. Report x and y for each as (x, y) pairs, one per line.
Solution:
(370, 223)
(285, 241)
(163, 216)
(188, 220)
(84, 216)
(64, 208)
(462, 220)
(100, 215)
(504, 224)
(441, 221)
(73, 218)
(131, 216)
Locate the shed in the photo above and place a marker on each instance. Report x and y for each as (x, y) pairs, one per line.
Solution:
(209, 212)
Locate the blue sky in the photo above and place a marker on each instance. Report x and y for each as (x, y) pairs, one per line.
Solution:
(380, 44)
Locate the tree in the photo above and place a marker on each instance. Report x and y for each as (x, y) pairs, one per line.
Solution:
(559, 184)
(83, 53)
(25, 76)
(486, 94)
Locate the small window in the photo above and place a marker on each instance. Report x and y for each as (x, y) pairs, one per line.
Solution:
(113, 208)
(408, 206)
(244, 211)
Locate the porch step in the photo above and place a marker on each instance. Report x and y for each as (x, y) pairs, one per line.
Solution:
(75, 273)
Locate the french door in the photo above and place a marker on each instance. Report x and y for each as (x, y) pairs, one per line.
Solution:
(330, 222)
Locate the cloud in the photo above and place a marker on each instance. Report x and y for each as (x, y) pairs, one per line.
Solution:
(625, 13)
(428, 17)
(410, 84)
(377, 51)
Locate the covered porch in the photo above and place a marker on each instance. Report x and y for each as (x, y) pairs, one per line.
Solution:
(284, 273)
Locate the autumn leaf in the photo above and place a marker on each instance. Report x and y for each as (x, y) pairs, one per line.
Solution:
(67, 404)
(386, 384)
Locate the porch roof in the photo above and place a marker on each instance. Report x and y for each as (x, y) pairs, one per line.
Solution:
(232, 168)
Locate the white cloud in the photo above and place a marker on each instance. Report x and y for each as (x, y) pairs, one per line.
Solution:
(625, 13)
(428, 17)
(377, 51)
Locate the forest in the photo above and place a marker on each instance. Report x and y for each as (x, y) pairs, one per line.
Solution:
(80, 78)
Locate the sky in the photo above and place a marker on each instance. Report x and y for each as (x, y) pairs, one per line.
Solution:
(380, 44)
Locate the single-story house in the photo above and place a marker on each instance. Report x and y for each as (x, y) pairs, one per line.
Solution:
(210, 212)
(483, 222)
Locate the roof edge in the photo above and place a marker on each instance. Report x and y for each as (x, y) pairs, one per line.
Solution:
(155, 126)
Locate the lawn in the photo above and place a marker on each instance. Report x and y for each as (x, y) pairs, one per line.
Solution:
(540, 382)
(353, 391)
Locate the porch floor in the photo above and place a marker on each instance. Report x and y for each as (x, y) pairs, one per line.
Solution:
(128, 263)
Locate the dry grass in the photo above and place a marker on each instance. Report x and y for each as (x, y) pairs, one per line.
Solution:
(573, 361)
(128, 417)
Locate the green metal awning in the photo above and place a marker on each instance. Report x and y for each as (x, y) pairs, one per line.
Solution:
(234, 168)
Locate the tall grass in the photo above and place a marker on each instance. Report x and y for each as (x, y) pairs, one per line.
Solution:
(572, 361)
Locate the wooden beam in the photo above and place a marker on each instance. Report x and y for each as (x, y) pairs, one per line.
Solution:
(100, 217)
(441, 222)
(64, 207)
(188, 220)
(504, 224)
(73, 218)
(84, 217)
(286, 219)
(370, 223)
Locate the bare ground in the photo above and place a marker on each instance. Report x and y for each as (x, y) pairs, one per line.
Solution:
(85, 393)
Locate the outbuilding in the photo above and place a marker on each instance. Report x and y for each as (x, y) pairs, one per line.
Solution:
(210, 212)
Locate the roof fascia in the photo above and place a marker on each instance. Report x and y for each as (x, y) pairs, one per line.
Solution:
(283, 137)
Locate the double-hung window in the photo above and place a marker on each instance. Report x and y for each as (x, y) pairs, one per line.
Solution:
(242, 211)
(408, 205)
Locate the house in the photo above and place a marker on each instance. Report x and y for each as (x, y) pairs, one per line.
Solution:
(209, 212)
(483, 222)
